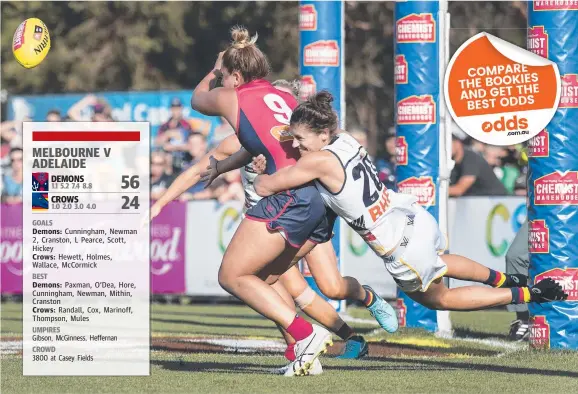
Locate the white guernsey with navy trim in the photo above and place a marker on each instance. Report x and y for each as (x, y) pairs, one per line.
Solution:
(377, 214)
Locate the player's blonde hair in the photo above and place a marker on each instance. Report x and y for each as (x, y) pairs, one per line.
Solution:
(293, 86)
(245, 57)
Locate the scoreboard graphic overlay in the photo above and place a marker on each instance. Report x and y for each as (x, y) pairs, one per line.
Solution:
(86, 279)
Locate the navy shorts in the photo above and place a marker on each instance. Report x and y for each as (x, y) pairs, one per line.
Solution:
(299, 214)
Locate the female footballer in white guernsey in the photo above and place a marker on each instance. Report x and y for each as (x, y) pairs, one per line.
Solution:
(394, 225)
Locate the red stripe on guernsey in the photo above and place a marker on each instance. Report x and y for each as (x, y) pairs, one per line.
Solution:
(263, 113)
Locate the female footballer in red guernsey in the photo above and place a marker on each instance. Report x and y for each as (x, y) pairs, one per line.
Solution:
(394, 225)
(257, 255)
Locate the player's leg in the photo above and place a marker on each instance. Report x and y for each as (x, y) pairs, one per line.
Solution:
(292, 217)
(460, 267)
(420, 270)
(322, 262)
(472, 298)
(320, 310)
(463, 268)
(252, 250)
(289, 340)
(468, 298)
(311, 303)
(253, 255)
(518, 262)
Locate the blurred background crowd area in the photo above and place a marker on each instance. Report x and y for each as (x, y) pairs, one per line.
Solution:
(104, 47)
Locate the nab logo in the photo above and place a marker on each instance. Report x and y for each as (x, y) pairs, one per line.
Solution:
(282, 133)
(514, 126)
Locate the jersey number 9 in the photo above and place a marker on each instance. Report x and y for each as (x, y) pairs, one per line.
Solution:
(276, 104)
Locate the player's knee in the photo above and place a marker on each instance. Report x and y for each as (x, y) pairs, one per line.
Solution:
(439, 302)
(436, 305)
(443, 301)
(305, 299)
(226, 279)
(333, 289)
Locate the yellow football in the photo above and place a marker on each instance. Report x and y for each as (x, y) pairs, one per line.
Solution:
(31, 43)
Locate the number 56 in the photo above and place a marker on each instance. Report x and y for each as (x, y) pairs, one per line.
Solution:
(131, 182)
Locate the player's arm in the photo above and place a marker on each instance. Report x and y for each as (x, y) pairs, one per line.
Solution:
(308, 168)
(240, 159)
(192, 175)
(219, 101)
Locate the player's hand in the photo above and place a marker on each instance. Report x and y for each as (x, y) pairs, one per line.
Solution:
(212, 173)
(154, 212)
(259, 164)
(150, 215)
(216, 82)
(219, 61)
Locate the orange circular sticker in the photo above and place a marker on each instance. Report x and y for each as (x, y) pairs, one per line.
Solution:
(499, 93)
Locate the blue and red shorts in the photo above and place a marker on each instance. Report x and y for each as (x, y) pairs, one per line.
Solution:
(299, 214)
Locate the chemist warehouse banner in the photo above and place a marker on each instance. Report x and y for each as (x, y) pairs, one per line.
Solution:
(553, 179)
(321, 33)
(153, 107)
(417, 97)
(321, 50)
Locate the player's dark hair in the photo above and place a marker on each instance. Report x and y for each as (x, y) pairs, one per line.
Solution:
(244, 57)
(317, 113)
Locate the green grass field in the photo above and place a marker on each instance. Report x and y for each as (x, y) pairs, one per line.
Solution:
(411, 361)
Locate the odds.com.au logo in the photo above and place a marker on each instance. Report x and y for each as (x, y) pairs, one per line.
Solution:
(513, 126)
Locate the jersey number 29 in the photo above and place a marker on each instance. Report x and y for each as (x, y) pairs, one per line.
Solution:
(276, 104)
(366, 169)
